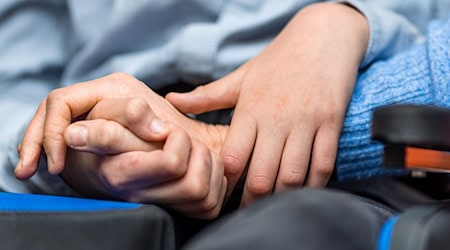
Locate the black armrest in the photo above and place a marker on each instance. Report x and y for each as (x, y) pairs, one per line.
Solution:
(415, 136)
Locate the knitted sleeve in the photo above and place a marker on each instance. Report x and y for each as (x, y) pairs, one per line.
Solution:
(418, 76)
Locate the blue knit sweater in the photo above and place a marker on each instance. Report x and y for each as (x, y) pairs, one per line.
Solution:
(417, 76)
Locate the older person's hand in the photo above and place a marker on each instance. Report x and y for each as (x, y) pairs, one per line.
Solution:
(66, 105)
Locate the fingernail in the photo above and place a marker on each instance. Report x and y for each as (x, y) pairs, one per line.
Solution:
(77, 136)
(157, 126)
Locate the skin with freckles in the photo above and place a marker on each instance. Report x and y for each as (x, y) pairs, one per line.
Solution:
(290, 101)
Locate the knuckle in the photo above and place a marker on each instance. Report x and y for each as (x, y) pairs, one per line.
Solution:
(135, 110)
(324, 169)
(330, 116)
(197, 190)
(175, 165)
(56, 100)
(120, 75)
(108, 134)
(121, 80)
(211, 214)
(55, 94)
(259, 185)
(232, 162)
(210, 203)
(114, 181)
(292, 179)
(200, 88)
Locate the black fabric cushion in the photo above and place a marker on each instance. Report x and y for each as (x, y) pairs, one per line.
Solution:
(49, 222)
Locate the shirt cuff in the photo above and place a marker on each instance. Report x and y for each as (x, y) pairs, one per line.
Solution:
(390, 32)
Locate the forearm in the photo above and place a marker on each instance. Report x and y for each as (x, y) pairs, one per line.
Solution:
(341, 31)
(418, 76)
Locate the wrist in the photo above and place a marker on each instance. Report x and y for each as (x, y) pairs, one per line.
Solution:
(342, 27)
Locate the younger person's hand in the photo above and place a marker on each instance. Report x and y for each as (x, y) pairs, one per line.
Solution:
(289, 101)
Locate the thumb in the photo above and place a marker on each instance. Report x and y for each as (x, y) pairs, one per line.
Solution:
(219, 94)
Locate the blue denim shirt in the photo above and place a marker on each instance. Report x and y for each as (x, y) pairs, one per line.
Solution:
(46, 44)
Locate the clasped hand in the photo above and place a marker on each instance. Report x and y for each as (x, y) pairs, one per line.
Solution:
(121, 147)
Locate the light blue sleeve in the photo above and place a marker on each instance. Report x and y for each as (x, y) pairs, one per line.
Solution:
(396, 25)
(173, 41)
(199, 41)
(33, 52)
(417, 76)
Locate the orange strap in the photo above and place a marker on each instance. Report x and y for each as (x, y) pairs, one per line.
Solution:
(427, 159)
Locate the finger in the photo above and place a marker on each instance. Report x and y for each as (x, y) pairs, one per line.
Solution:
(238, 147)
(215, 185)
(67, 103)
(105, 137)
(62, 106)
(295, 160)
(323, 156)
(220, 94)
(193, 186)
(264, 166)
(208, 214)
(31, 146)
(139, 169)
(134, 114)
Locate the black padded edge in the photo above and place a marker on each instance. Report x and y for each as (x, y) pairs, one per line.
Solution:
(423, 227)
(147, 227)
(413, 125)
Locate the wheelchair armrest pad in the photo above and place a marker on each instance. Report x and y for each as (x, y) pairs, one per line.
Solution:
(44, 222)
(421, 227)
(412, 125)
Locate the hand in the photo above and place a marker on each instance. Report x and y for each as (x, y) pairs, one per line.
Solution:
(289, 101)
(107, 160)
(64, 105)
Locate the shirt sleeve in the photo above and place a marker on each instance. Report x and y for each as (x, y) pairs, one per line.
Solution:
(417, 76)
(18, 103)
(396, 25)
(34, 48)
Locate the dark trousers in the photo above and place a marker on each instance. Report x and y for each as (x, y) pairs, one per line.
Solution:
(344, 216)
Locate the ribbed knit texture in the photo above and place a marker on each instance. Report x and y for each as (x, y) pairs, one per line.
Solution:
(417, 76)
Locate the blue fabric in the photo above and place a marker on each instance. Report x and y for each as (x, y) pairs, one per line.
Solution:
(12, 202)
(396, 25)
(418, 76)
(384, 240)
